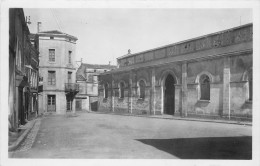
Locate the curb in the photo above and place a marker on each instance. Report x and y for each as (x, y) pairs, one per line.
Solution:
(15, 145)
(177, 118)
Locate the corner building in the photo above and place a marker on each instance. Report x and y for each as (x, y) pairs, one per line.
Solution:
(57, 72)
(208, 76)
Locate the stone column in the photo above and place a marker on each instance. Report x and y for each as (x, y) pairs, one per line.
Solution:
(153, 102)
(130, 98)
(112, 94)
(226, 87)
(184, 90)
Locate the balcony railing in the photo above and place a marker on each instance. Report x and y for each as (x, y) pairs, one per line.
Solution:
(71, 87)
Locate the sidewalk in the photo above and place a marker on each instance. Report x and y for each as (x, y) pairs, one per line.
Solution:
(170, 117)
(17, 139)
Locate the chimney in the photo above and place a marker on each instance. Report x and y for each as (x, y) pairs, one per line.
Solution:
(109, 63)
(39, 24)
(129, 51)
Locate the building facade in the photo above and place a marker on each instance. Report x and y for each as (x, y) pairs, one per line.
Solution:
(23, 71)
(87, 78)
(57, 72)
(208, 76)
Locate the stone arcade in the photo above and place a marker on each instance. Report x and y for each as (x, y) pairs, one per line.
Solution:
(208, 76)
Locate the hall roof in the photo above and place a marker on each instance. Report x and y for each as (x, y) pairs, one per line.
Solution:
(184, 41)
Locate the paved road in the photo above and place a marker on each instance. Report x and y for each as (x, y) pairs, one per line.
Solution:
(90, 135)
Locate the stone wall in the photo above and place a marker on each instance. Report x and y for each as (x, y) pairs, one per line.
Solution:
(227, 63)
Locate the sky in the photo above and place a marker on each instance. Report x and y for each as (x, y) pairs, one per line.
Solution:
(105, 34)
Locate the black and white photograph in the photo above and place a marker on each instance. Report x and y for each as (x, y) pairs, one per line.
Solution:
(166, 82)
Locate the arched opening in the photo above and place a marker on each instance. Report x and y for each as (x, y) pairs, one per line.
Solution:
(250, 85)
(141, 86)
(121, 90)
(204, 87)
(106, 90)
(169, 95)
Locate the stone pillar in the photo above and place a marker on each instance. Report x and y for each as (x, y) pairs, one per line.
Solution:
(130, 98)
(112, 94)
(153, 102)
(184, 90)
(226, 87)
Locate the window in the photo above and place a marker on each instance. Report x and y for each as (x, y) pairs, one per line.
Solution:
(121, 90)
(51, 37)
(141, 89)
(40, 79)
(52, 55)
(204, 87)
(106, 90)
(69, 77)
(70, 52)
(51, 78)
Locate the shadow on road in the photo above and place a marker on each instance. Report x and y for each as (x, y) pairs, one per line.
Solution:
(205, 148)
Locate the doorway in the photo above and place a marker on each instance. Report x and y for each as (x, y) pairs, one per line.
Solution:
(51, 107)
(78, 104)
(169, 95)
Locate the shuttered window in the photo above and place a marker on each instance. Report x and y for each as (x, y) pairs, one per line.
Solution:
(204, 87)
(51, 78)
(52, 55)
(69, 77)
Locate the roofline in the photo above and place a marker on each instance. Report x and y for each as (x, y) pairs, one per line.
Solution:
(184, 41)
(98, 64)
(54, 34)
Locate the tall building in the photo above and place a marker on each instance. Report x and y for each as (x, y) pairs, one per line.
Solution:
(208, 76)
(87, 77)
(57, 72)
(23, 70)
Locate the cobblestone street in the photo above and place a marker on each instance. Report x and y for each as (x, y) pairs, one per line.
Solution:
(90, 135)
